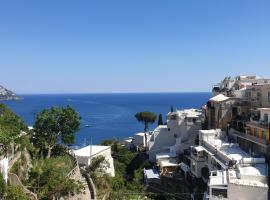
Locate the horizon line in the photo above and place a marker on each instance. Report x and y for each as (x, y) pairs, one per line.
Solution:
(53, 93)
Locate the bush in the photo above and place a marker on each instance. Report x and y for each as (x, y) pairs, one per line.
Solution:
(16, 193)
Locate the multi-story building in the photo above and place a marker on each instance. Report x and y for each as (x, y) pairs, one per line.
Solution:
(179, 133)
(245, 115)
(219, 111)
(233, 173)
(258, 95)
(255, 136)
(236, 87)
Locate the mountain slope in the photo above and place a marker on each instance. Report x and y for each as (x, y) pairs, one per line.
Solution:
(6, 94)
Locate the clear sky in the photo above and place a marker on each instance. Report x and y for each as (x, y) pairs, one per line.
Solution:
(55, 46)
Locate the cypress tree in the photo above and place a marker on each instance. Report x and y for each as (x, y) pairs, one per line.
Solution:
(160, 120)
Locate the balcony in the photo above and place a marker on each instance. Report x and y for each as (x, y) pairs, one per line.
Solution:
(249, 137)
(254, 122)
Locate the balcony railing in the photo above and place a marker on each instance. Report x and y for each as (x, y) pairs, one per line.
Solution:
(258, 123)
(250, 137)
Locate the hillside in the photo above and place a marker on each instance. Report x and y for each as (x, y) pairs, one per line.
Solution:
(6, 94)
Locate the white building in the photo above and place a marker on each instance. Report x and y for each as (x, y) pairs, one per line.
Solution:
(151, 176)
(234, 174)
(139, 139)
(86, 154)
(236, 87)
(264, 115)
(128, 142)
(179, 133)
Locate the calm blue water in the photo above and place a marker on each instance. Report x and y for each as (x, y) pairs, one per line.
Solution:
(110, 115)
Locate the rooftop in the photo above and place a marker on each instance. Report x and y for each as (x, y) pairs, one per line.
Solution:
(231, 151)
(264, 109)
(184, 167)
(168, 163)
(199, 148)
(218, 178)
(151, 174)
(248, 171)
(165, 155)
(85, 151)
(140, 134)
(219, 98)
(192, 113)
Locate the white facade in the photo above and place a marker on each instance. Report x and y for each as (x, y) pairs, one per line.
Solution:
(264, 115)
(179, 133)
(86, 154)
(4, 168)
(139, 139)
(165, 156)
(236, 87)
(128, 142)
(234, 174)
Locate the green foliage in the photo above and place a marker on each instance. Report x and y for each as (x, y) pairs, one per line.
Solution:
(48, 177)
(117, 183)
(146, 118)
(128, 181)
(160, 120)
(10, 127)
(2, 186)
(115, 145)
(25, 143)
(10, 121)
(54, 125)
(15, 193)
(61, 187)
(59, 150)
(136, 166)
(98, 165)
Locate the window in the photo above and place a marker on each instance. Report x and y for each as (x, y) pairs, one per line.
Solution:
(263, 135)
(265, 117)
(219, 192)
(269, 96)
(214, 174)
(255, 132)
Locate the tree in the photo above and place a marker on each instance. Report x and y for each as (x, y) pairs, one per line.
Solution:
(48, 178)
(55, 125)
(10, 128)
(160, 120)
(146, 118)
(172, 109)
(98, 165)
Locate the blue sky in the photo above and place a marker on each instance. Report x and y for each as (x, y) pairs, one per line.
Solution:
(66, 46)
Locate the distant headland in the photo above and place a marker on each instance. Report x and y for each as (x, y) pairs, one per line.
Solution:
(6, 94)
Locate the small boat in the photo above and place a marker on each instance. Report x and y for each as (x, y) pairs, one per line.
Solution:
(87, 125)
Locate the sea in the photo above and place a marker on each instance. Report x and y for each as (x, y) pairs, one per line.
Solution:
(107, 116)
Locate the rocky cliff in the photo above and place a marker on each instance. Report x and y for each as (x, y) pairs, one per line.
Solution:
(6, 94)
